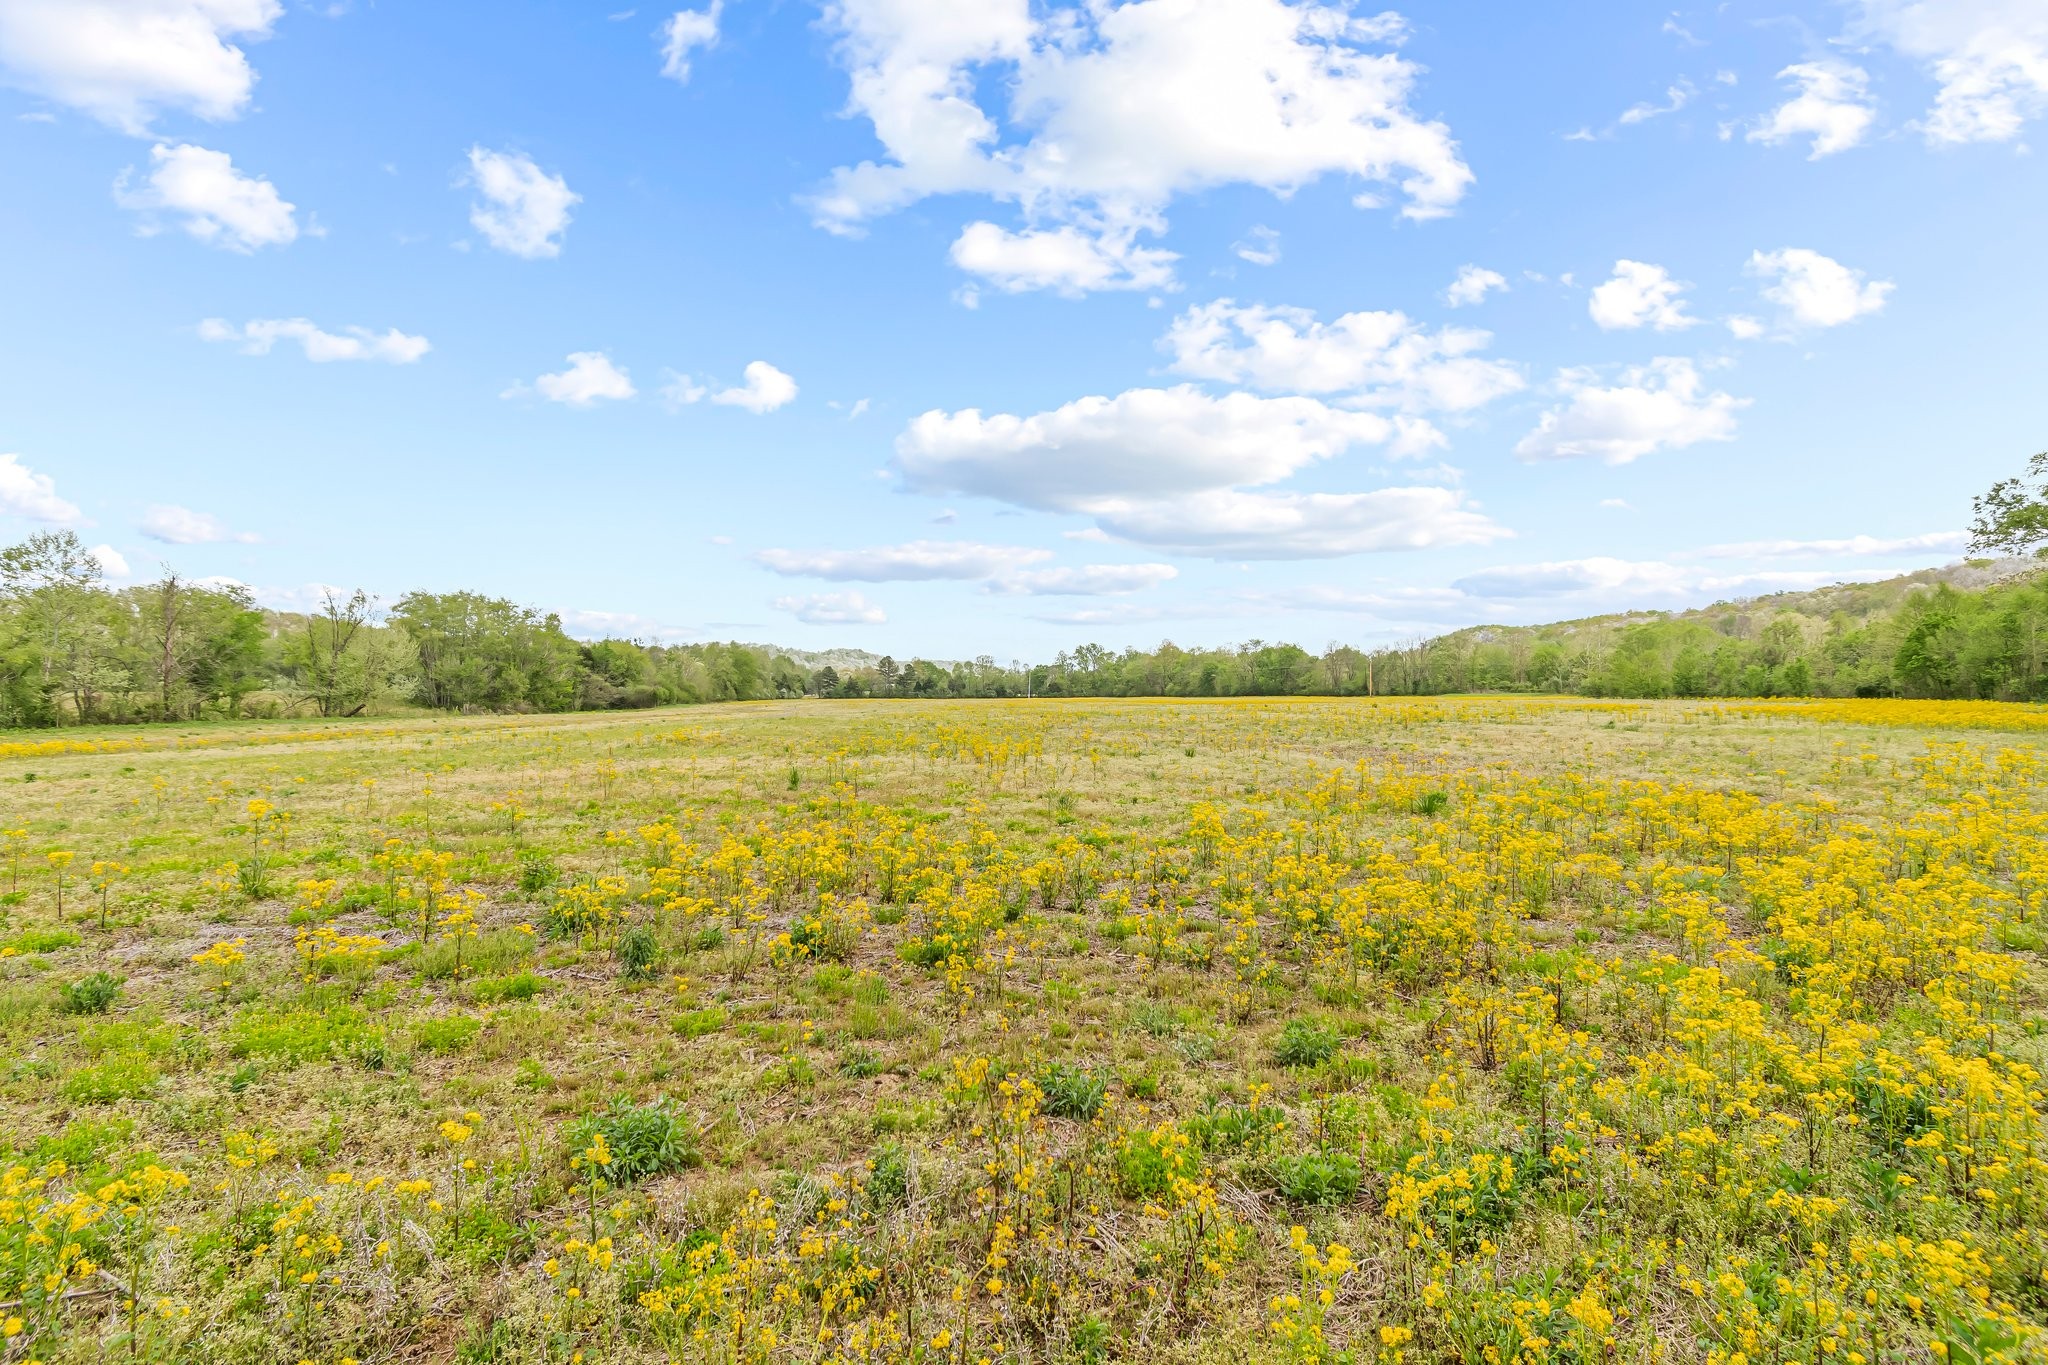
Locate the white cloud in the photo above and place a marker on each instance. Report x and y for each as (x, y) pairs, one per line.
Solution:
(1990, 58)
(219, 205)
(1099, 453)
(1815, 290)
(833, 609)
(1261, 246)
(590, 378)
(124, 61)
(765, 390)
(1639, 295)
(1088, 580)
(1604, 579)
(182, 526)
(685, 32)
(112, 562)
(1743, 327)
(1383, 359)
(1675, 98)
(1114, 110)
(917, 561)
(582, 624)
(1472, 286)
(25, 493)
(1659, 406)
(1935, 542)
(523, 210)
(1228, 524)
(1067, 260)
(360, 343)
(1833, 107)
(1618, 504)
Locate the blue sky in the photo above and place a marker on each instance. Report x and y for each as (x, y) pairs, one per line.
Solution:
(955, 328)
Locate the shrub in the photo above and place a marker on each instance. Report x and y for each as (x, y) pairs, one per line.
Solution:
(537, 872)
(1306, 1042)
(1070, 1092)
(89, 995)
(889, 1175)
(1316, 1177)
(638, 952)
(644, 1139)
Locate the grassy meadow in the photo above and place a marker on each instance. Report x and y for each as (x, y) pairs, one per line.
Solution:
(1481, 1030)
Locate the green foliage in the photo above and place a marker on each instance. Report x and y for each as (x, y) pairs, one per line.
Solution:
(1070, 1092)
(644, 1139)
(697, 1023)
(1316, 1177)
(89, 995)
(638, 953)
(537, 871)
(1306, 1042)
(518, 986)
(297, 1035)
(450, 1034)
(121, 1077)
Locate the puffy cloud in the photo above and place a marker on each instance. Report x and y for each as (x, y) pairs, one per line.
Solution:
(25, 493)
(1067, 260)
(1087, 580)
(1229, 524)
(1990, 58)
(1472, 286)
(590, 378)
(765, 390)
(112, 562)
(1934, 542)
(1097, 453)
(1660, 406)
(1114, 110)
(621, 625)
(1383, 359)
(1815, 290)
(1832, 107)
(124, 61)
(685, 32)
(833, 609)
(360, 343)
(1261, 246)
(523, 210)
(1743, 327)
(1639, 295)
(218, 204)
(919, 560)
(175, 525)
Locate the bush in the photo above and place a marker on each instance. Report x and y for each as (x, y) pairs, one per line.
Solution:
(1306, 1042)
(638, 952)
(1316, 1178)
(89, 995)
(537, 872)
(644, 1139)
(888, 1175)
(1070, 1092)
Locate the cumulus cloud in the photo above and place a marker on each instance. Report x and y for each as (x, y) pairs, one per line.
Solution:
(1261, 246)
(1087, 580)
(685, 32)
(1231, 524)
(1381, 359)
(766, 389)
(1832, 107)
(25, 493)
(521, 209)
(125, 61)
(1639, 295)
(1067, 260)
(1664, 405)
(1989, 58)
(1816, 290)
(257, 336)
(215, 202)
(1096, 453)
(1472, 286)
(917, 561)
(1113, 111)
(833, 609)
(175, 525)
(112, 562)
(591, 378)
(1934, 542)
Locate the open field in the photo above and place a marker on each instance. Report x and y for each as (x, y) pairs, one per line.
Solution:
(1403, 1030)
